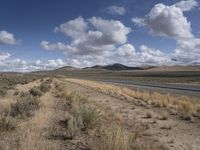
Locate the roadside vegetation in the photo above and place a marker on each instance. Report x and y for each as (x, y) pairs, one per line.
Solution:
(50, 114)
(186, 106)
(86, 120)
(102, 130)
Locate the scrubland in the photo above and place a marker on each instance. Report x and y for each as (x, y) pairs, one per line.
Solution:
(60, 113)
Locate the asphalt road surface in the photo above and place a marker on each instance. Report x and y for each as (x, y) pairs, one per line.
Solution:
(173, 89)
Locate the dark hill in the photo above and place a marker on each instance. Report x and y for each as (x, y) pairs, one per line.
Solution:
(115, 66)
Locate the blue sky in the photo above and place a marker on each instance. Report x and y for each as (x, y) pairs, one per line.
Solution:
(31, 22)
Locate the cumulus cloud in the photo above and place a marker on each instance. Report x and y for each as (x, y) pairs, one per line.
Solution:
(7, 63)
(186, 5)
(92, 36)
(169, 21)
(116, 10)
(49, 64)
(54, 46)
(188, 51)
(76, 28)
(100, 41)
(152, 56)
(7, 38)
(10, 63)
(126, 51)
(93, 41)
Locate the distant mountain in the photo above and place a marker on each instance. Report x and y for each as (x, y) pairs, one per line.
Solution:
(67, 68)
(114, 67)
(121, 67)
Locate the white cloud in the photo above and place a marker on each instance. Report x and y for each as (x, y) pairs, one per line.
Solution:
(4, 56)
(126, 51)
(168, 21)
(92, 36)
(114, 32)
(93, 41)
(125, 54)
(7, 38)
(9, 63)
(186, 5)
(152, 56)
(54, 46)
(188, 51)
(138, 21)
(99, 41)
(76, 29)
(116, 10)
(49, 64)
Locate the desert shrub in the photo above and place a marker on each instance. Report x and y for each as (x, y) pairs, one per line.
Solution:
(25, 106)
(82, 118)
(74, 125)
(8, 81)
(113, 137)
(45, 86)
(6, 124)
(2, 92)
(72, 98)
(24, 94)
(35, 91)
(90, 116)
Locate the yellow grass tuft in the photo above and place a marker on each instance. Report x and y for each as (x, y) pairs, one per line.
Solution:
(113, 137)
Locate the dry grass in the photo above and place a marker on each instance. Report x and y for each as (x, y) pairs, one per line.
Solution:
(83, 115)
(113, 137)
(32, 133)
(7, 124)
(183, 104)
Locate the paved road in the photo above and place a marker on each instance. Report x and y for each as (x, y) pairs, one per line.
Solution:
(175, 89)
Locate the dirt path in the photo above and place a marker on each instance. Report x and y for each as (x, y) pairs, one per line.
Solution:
(154, 125)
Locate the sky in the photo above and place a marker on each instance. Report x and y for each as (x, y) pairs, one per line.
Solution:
(48, 34)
